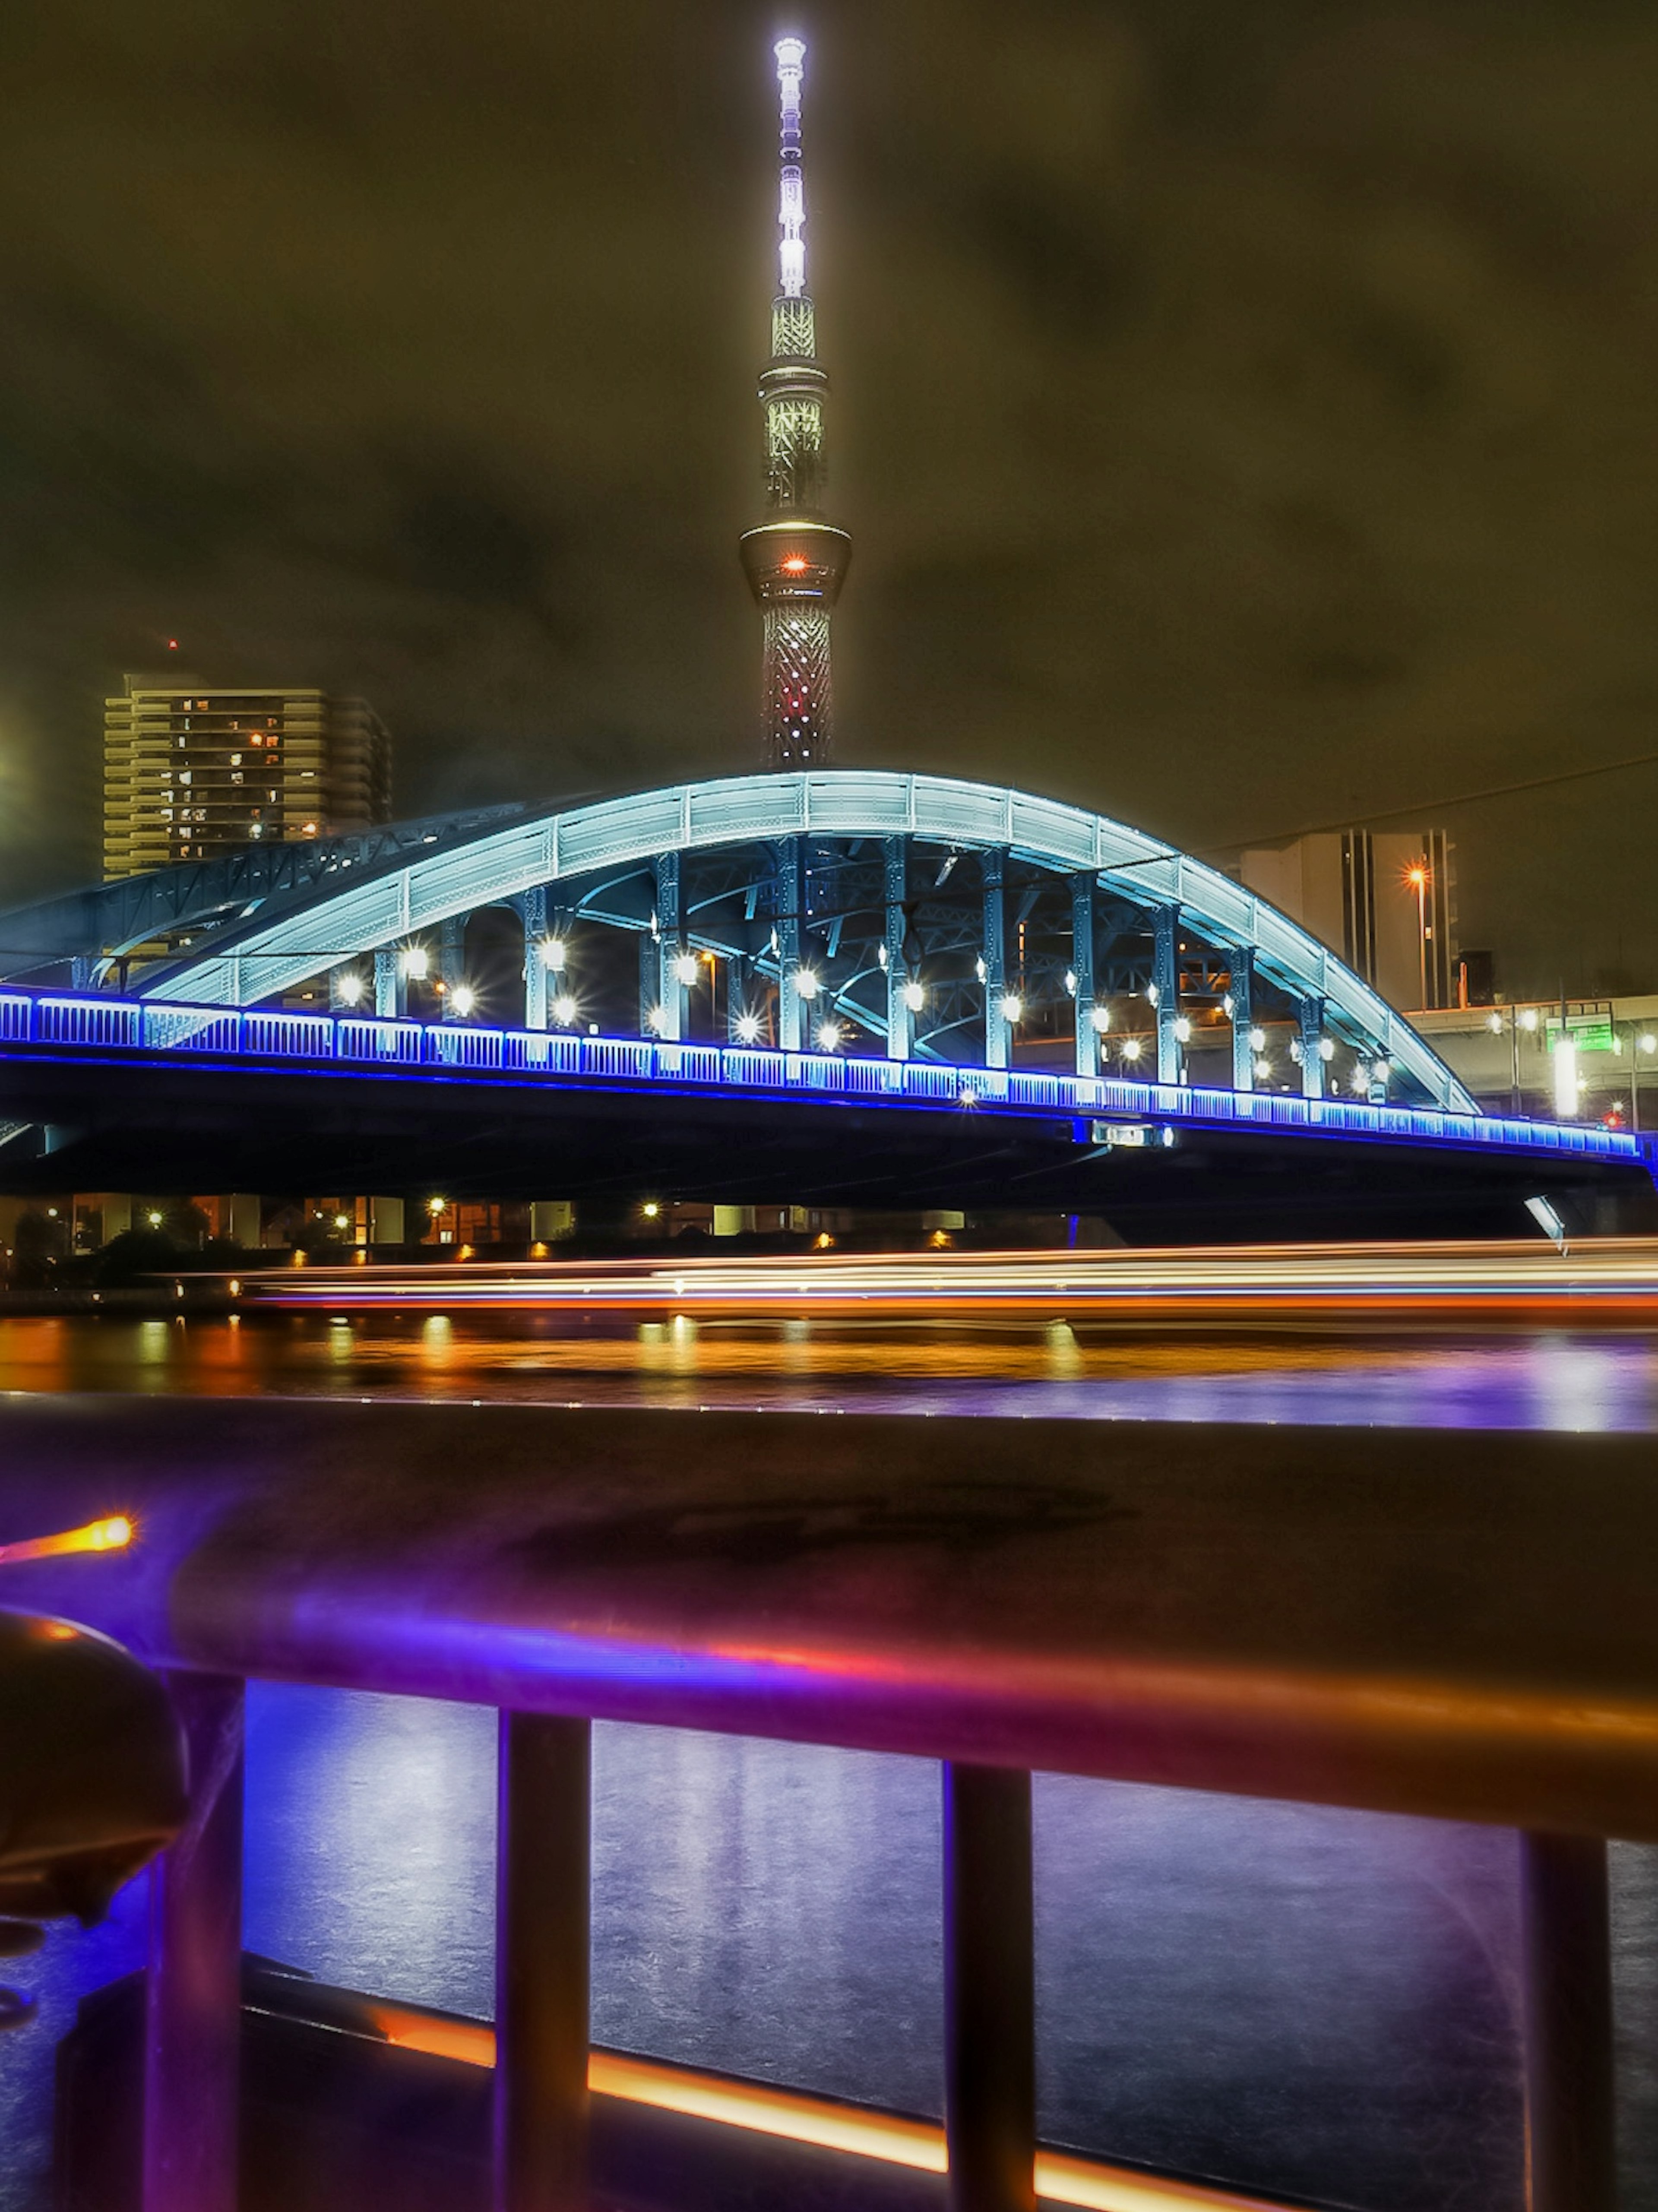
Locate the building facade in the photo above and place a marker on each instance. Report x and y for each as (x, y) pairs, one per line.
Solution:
(194, 770)
(1386, 901)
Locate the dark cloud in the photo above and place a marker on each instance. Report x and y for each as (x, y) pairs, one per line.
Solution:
(1245, 415)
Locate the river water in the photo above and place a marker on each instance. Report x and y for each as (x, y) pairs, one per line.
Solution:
(1290, 1999)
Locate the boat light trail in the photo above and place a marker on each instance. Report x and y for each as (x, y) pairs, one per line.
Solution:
(111, 1536)
(1610, 1279)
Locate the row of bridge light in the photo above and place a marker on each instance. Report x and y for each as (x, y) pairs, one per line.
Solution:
(414, 963)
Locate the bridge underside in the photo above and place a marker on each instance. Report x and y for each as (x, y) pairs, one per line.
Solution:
(170, 1127)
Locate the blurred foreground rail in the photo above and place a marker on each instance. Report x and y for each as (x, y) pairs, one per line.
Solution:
(1454, 1624)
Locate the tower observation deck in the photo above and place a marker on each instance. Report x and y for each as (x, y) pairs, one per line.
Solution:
(795, 561)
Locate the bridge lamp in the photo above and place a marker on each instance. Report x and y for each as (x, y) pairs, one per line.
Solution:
(805, 982)
(1650, 1043)
(685, 968)
(1152, 994)
(1257, 1040)
(1013, 1007)
(463, 997)
(1528, 1019)
(1183, 1031)
(564, 1009)
(1071, 982)
(437, 1206)
(656, 1020)
(552, 952)
(349, 990)
(1101, 1017)
(1327, 1047)
(828, 1034)
(748, 1029)
(915, 997)
(1494, 1024)
(1263, 1071)
(413, 960)
(1131, 1047)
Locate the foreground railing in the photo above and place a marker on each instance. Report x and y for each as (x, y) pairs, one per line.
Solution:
(352, 1041)
(1451, 1623)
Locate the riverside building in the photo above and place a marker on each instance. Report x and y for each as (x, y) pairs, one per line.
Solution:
(192, 771)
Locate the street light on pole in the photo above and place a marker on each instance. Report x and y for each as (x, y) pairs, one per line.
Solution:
(1418, 876)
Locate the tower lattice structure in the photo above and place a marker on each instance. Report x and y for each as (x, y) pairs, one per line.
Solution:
(795, 561)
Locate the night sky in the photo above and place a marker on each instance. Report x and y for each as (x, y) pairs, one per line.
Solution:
(1246, 416)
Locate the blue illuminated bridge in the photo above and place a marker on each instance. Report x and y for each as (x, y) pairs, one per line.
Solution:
(843, 986)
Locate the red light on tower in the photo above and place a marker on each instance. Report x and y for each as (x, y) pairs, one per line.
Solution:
(794, 566)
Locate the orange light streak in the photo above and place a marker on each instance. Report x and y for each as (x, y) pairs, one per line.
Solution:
(111, 1536)
(1060, 2177)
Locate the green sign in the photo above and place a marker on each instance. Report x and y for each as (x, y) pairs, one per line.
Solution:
(1588, 1032)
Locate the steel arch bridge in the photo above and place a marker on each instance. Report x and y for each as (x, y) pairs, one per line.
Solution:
(906, 916)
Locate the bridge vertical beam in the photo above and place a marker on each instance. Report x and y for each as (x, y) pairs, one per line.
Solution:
(532, 914)
(193, 1989)
(672, 997)
(1312, 1036)
(989, 2003)
(649, 967)
(1165, 976)
(544, 1887)
(451, 961)
(790, 907)
(390, 985)
(1566, 1951)
(992, 874)
(1082, 967)
(1241, 994)
(901, 1020)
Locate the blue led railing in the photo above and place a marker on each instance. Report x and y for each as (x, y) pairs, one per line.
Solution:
(357, 1041)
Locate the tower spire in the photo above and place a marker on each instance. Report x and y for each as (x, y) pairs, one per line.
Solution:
(795, 561)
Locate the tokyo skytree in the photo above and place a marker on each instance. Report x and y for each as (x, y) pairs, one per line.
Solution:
(794, 561)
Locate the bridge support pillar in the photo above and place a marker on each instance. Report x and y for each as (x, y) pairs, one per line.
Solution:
(672, 998)
(900, 1015)
(993, 955)
(1312, 1039)
(194, 1993)
(1565, 1937)
(1165, 977)
(1082, 967)
(543, 1883)
(451, 961)
(790, 900)
(990, 2006)
(390, 985)
(1241, 1006)
(532, 914)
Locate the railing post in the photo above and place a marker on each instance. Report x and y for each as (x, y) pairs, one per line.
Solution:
(1087, 1060)
(1565, 1947)
(543, 1909)
(193, 1992)
(990, 2002)
(1241, 995)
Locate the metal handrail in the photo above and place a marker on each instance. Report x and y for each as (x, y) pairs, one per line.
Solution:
(1449, 1623)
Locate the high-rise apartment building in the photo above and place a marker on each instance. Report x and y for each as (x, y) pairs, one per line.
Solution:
(192, 770)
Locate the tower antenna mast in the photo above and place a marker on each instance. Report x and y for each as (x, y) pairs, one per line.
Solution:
(795, 561)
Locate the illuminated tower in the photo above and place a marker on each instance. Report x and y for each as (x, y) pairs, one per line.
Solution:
(794, 561)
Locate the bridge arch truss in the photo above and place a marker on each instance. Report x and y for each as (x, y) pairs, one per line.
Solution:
(904, 916)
